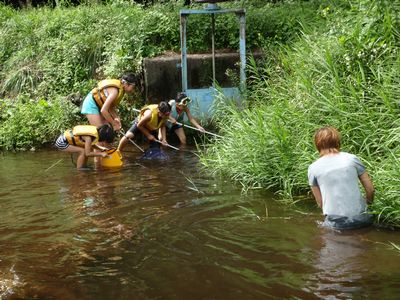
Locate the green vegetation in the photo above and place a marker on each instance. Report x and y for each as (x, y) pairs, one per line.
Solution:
(24, 121)
(344, 74)
(60, 53)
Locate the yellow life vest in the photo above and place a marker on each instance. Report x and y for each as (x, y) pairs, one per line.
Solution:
(155, 121)
(74, 136)
(99, 95)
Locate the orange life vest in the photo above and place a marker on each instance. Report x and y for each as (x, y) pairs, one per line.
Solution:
(99, 92)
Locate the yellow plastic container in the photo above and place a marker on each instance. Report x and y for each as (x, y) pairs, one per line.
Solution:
(115, 159)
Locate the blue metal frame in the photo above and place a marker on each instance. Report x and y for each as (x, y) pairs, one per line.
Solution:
(201, 106)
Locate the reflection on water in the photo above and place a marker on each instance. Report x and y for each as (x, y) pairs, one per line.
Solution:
(338, 266)
(165, 230)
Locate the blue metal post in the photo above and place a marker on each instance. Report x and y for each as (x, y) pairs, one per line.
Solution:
(242, 42)
(184, 53)
(213, 47)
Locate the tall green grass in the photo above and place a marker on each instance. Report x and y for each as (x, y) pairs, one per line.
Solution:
(344, 75)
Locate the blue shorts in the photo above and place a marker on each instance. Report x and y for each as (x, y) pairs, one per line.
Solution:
(89, 106)
(341, 222)
(134, 129)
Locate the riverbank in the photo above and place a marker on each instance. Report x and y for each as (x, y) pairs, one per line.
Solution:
(344, 75)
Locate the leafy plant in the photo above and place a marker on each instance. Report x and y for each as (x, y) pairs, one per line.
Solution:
(26, 124)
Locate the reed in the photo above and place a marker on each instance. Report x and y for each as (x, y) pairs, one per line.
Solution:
(342, 75)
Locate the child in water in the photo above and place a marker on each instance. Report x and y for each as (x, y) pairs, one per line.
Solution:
(180, 107)
(151, 119)
(82, 139)
(334, 183)
(100, 104)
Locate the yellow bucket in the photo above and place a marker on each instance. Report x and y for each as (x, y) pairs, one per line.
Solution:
(115, 159)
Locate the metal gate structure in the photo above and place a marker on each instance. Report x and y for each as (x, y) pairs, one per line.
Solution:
(203, 98)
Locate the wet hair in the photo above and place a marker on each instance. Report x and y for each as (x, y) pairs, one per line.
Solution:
(130, 78)
(164, 107)
(106, 133)
(327, 138)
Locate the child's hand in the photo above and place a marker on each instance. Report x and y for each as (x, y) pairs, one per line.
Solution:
(116, 124)
(104, 154)
(201, 129)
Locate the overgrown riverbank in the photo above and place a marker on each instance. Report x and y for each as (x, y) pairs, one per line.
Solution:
(57, 55)
(346, 76)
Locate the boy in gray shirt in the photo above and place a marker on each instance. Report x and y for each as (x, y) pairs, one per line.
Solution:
(334, 182)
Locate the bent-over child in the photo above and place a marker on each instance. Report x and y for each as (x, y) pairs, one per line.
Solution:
(151, 119)
(82, 139)
(100, 105)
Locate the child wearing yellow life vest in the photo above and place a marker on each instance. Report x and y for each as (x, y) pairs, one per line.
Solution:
(100, 104)
(151, 118)
(82, 139)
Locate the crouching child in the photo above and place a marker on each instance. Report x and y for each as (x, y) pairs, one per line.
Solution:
(82, 139)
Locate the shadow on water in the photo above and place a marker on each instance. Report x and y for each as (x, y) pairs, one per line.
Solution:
(166, 230)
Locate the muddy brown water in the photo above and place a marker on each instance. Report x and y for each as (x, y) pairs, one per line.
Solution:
(167, 230)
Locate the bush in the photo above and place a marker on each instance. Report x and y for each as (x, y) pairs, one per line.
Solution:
(26, 124)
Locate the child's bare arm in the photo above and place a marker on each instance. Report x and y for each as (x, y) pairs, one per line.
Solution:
(89, 148)
(142, 125)
(317, 195)
(193, 120)
(368, 186)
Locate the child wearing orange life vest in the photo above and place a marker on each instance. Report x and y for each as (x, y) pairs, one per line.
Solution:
(100, 104)
(82, 139)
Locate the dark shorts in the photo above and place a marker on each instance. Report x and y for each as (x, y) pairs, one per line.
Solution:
(134, 129)
(61, 142)
(174, 127)
(136, 132)
(341, 222)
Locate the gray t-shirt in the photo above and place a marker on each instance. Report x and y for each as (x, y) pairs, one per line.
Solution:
(337, 177)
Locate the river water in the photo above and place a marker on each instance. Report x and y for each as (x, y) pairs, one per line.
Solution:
(167, 230)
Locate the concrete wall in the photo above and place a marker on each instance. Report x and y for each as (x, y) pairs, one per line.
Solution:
(163, 77)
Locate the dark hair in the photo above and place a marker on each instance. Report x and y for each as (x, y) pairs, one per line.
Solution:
(130, 78)
(180, 96)
(106, 133)
(164, 107)
(327, 138)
